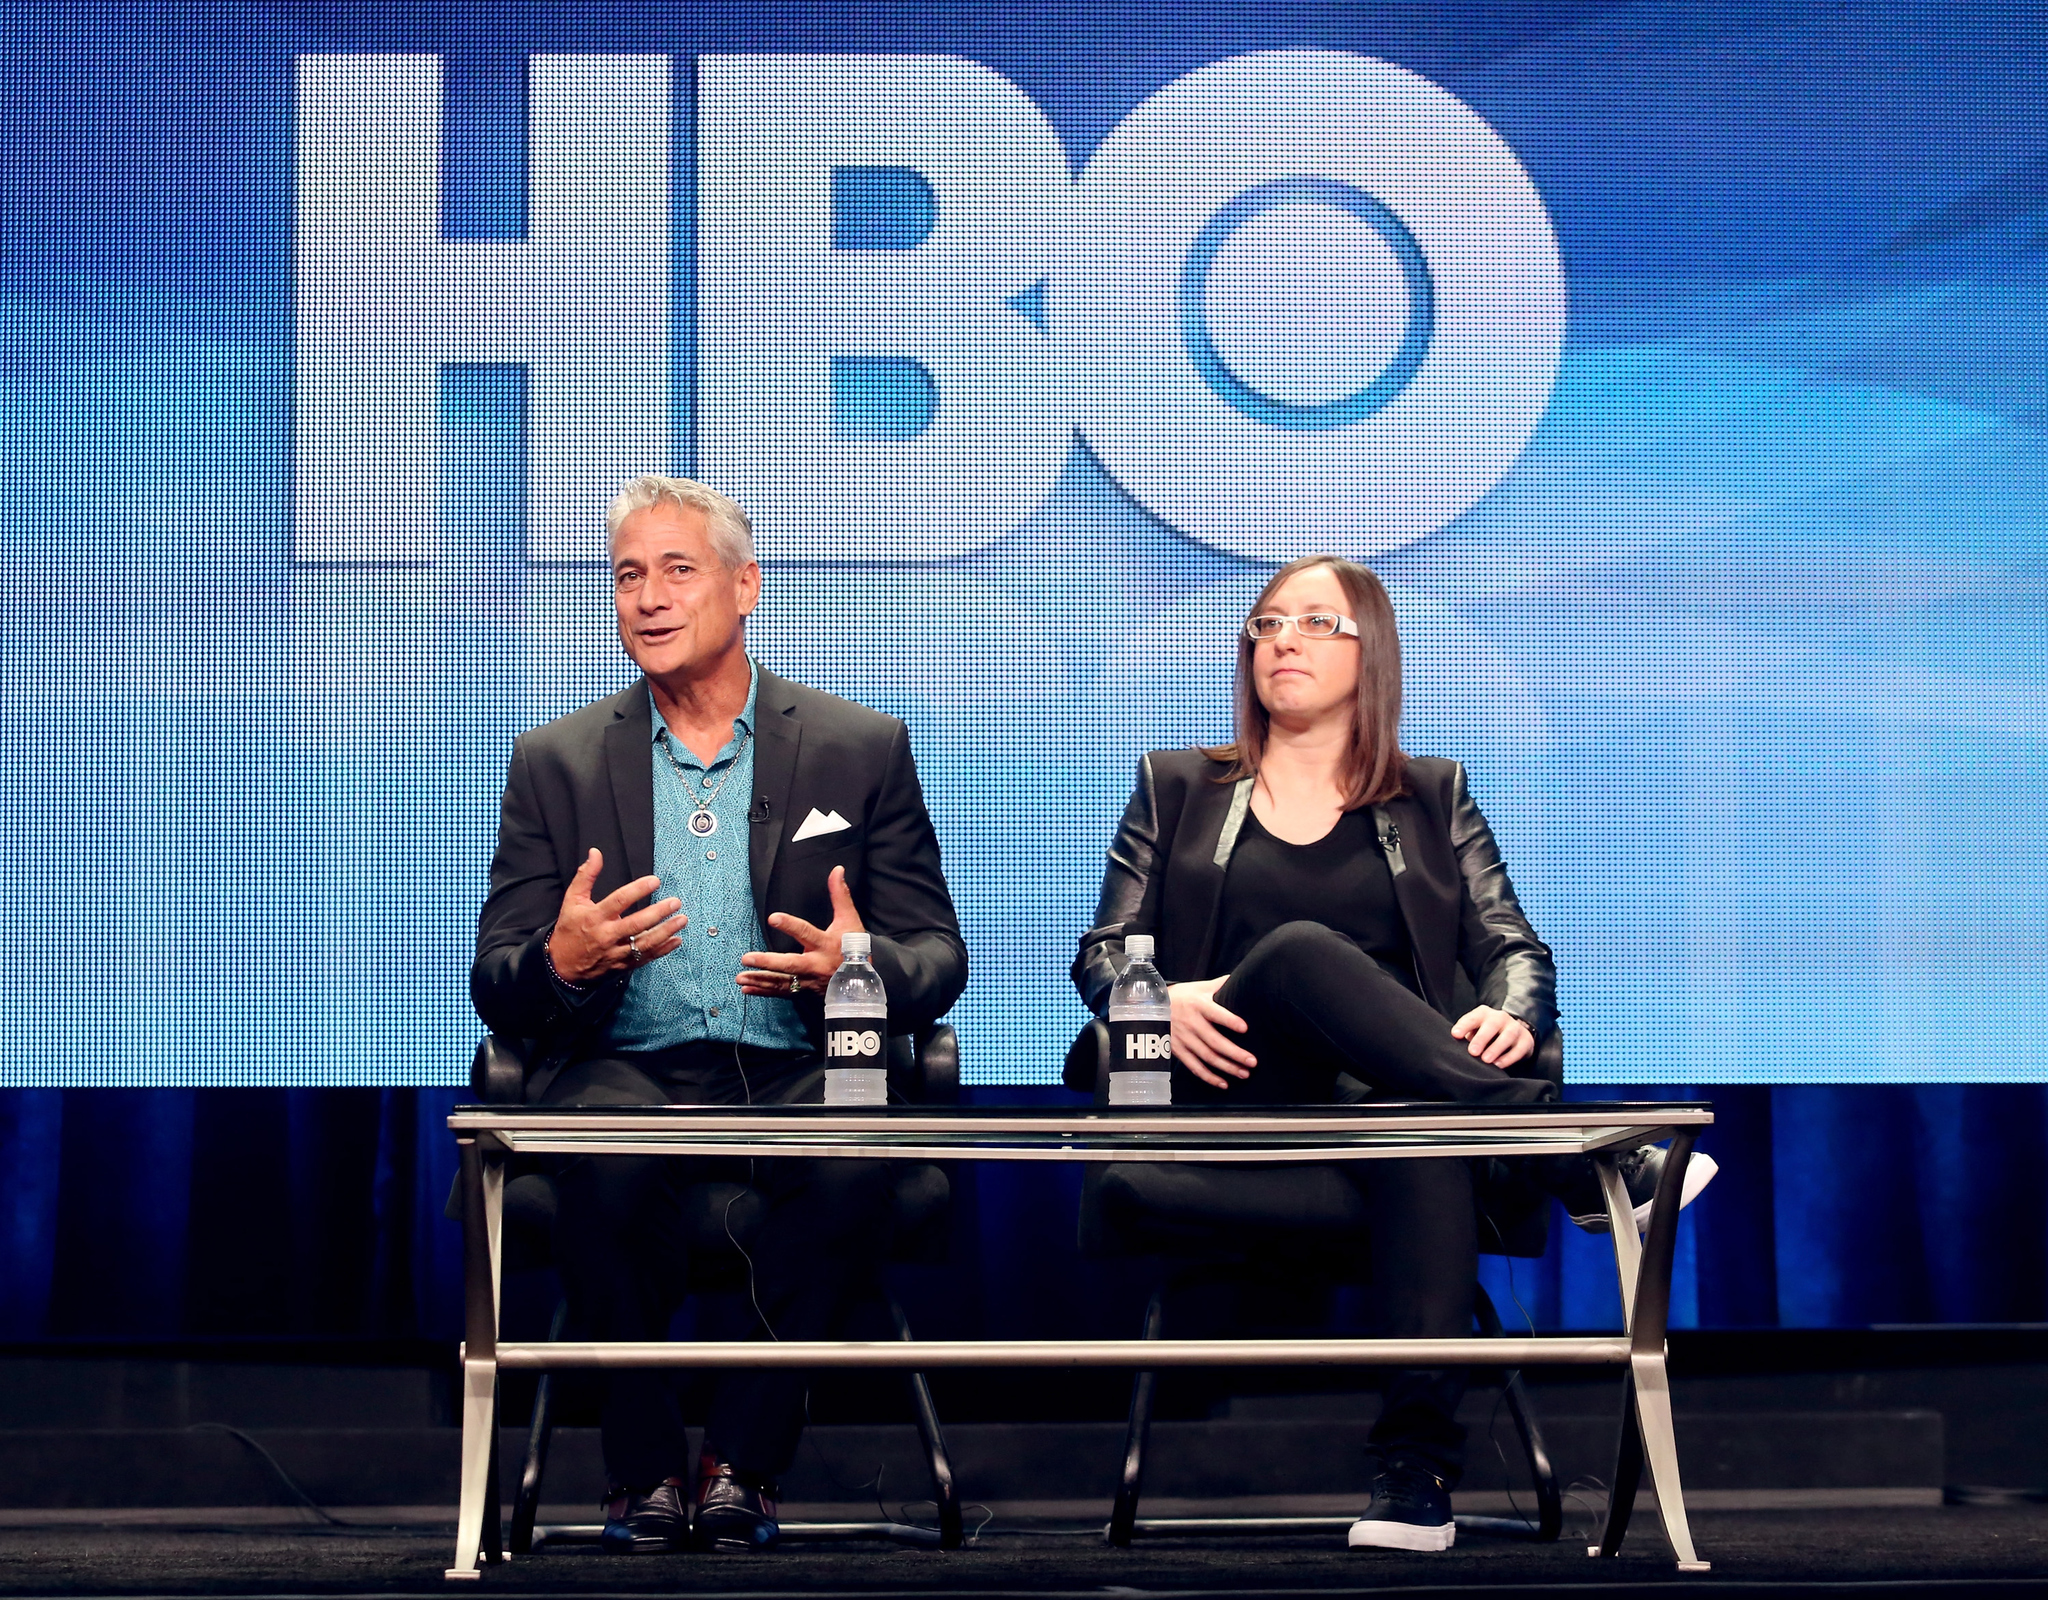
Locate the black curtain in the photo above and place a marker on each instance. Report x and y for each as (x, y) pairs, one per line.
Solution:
(189, 1213)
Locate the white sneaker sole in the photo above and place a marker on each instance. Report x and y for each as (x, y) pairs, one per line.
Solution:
(1699, 1172)
(1401, 1536)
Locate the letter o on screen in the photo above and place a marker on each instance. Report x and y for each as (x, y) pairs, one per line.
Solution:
(1310, 296)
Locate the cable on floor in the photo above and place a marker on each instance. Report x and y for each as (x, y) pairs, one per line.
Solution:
(291, 1484)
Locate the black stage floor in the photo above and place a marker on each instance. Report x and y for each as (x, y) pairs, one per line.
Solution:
(1918, 1550)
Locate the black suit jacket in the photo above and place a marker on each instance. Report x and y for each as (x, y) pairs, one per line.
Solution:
(587, 780)
(1173, 847)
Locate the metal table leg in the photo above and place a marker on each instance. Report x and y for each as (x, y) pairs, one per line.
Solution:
(483, 1205)
(1621, 1227)
(1647, 1436)
(1628, 1258)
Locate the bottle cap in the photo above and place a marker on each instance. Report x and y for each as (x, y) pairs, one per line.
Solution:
(1138, 946)
(856, 946)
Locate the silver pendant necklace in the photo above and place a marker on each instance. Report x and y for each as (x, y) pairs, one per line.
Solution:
(701, 822)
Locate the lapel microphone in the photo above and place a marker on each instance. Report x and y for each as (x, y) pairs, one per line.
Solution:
(760, 811)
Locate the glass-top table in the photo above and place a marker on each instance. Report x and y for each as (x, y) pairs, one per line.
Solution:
(489, 1135)
(1167, 1133)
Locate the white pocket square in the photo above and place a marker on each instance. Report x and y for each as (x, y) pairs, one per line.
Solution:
(817, 823)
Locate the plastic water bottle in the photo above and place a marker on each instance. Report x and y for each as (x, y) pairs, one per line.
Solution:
(1140, 1031)
(856, 1028)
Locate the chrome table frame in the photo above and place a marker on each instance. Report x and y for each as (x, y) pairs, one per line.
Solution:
(487, 1136)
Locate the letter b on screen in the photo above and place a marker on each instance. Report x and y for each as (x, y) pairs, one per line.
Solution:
(866, 388)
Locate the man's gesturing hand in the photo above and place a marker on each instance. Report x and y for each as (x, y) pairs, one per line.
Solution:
(593, 939)
(769, 972)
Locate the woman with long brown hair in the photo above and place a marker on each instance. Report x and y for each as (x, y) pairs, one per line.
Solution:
(1335, 924)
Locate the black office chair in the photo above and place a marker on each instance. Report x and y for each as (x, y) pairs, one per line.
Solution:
(1304, 1223)
(723, 1219)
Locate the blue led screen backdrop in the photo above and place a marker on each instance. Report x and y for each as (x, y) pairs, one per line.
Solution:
(1679, 367)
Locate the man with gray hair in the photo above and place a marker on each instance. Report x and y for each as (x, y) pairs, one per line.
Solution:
(676, 865)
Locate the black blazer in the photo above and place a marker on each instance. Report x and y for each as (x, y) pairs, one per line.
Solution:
(587, 780)
(1167, 864)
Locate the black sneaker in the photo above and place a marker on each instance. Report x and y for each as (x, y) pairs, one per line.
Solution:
(735, 1511)
(1641, 1169)
(1410, 1510)
(643, 1524)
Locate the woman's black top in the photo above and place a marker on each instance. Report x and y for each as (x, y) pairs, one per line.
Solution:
(1341, 881)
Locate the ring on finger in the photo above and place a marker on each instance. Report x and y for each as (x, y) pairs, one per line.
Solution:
(795, 983)
(633, 948)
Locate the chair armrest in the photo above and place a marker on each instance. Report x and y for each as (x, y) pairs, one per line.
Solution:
(924, 1067)
(1087, 1068)
(938, 1066)
(497, 1076)
(1547, 1062)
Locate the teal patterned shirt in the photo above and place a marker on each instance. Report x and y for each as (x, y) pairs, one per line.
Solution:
(689, 994)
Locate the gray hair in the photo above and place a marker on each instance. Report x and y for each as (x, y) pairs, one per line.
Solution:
(732, 531)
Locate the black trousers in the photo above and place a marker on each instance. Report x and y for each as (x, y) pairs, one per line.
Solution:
(1316, 1006)
(623, 1248)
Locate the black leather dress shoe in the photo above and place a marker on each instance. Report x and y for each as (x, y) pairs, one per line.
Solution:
(735, 1510)
(641, 1524)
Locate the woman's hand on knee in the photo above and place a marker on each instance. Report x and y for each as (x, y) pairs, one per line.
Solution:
(1199, 1043)
(1497, 1038)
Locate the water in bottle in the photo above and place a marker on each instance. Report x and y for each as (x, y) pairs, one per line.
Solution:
(856, 1028)
(1140, 1031)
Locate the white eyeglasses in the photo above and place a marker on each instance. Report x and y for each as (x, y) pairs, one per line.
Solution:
(1310, 625)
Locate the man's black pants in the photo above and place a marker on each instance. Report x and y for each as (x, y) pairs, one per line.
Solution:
(623, 1250)
(1315, 1006)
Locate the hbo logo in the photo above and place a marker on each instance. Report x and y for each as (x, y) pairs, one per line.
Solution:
(1293, 299)
(853, 1042)
(1148, 1046)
